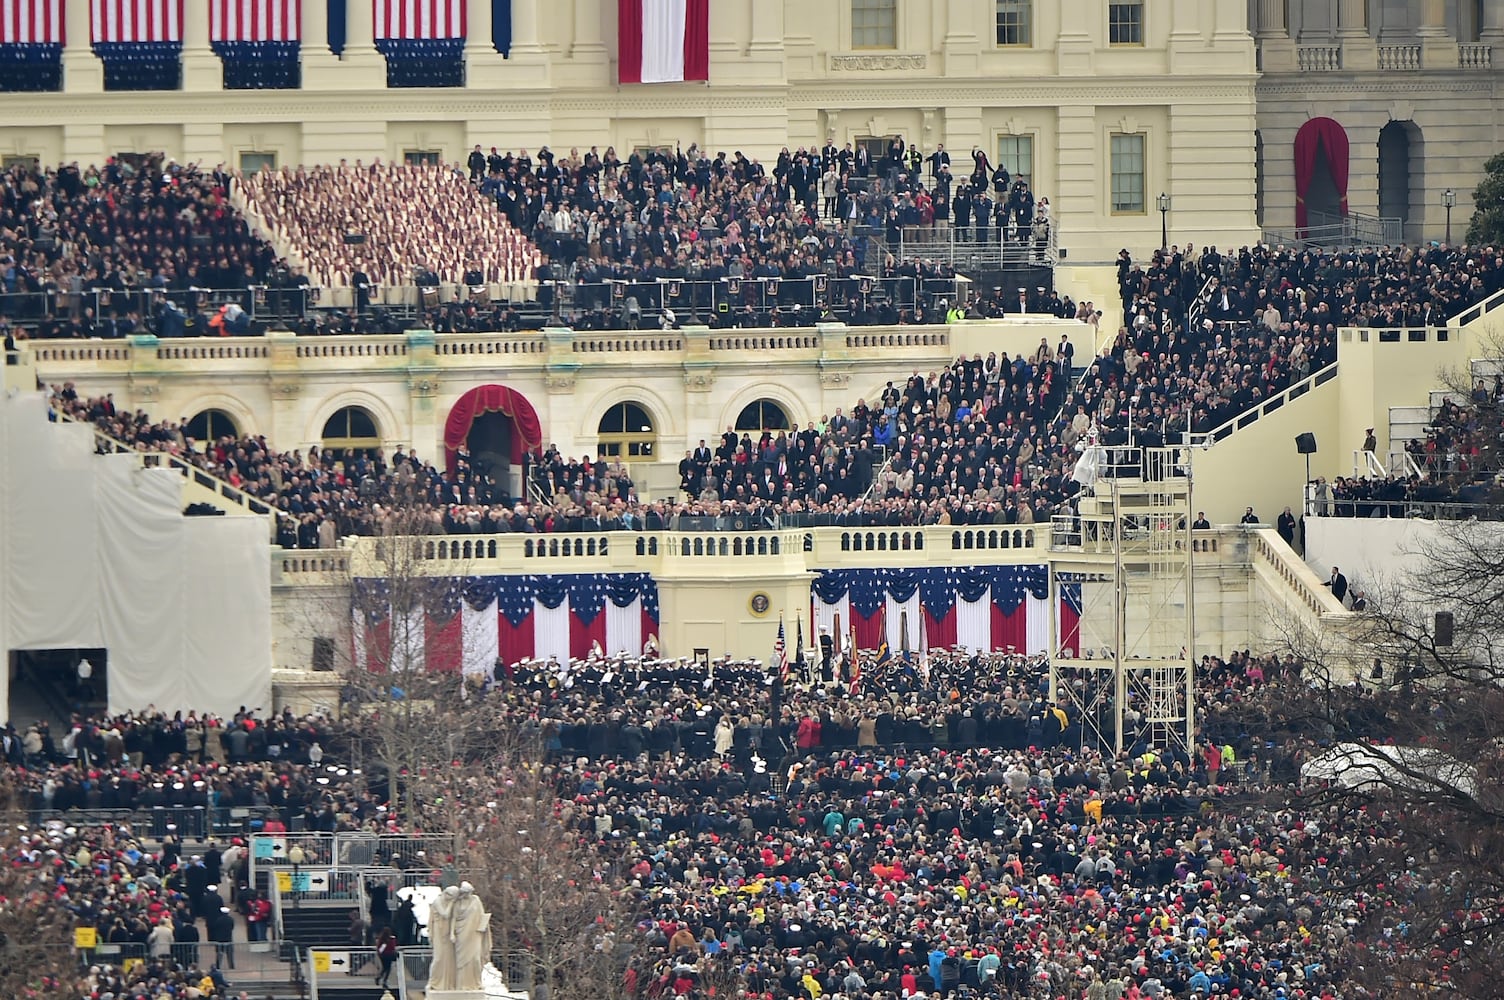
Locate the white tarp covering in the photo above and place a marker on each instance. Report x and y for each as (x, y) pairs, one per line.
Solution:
(95, 552)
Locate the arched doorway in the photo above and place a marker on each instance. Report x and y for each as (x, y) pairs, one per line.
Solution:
(490, 445)
(349, 433)
(1321, 168)
(211, 425)
(1401, 184)
(497, 427)
(762, 415)
(626, 431)
(1394, 172)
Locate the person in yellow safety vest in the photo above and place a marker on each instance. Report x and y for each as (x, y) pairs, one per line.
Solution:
(955, 313)
(1229, 756)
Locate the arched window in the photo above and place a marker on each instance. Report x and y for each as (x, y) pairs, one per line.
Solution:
(351, 431)
(211, 425)
(626, 431)
(762, 415)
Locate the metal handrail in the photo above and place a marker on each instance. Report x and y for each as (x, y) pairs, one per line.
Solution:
(1317, 378)
(918, 242)
(1197, 307)
(1366, 463)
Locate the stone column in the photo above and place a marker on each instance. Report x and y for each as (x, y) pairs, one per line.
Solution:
(1490, 31)
(1359, 50)
(483, 64)
(1074, 46)
(1276, 48)
(1352, 18)
(83, 73)
(320, 67)
(525, 27)
(1438, 50)
(202, 69)
(588, 44)
(962, 44)
(362, 67)
(1272, 19)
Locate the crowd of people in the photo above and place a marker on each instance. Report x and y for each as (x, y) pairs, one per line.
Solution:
(945, 832)
(892, 855)
(138, 824)
(133, 246)
(661, 213)
(365, 226)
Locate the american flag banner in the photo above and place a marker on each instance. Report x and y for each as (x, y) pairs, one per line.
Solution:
(978, 607)
(467, 624)
(31, 22)
(416, 20)
(136, 22)
(256, 20)
(781, 654)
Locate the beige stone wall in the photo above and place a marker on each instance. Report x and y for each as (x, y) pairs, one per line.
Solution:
(692, 383)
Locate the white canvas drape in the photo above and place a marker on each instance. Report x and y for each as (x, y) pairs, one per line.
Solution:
(663, 40)
(98, 555)
(479, 642)
(551, 631)
(974, 622)
(1037, 623)
(900, 616)
(624, 628)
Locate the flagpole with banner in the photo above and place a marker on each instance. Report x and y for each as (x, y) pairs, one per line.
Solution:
(799, 648)
(780, 665)
(924, 652)
(853, 663)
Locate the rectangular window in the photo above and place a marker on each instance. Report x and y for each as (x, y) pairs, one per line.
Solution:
(421, 157)
(251, 163)
(1016, 152)
(1125, 22)
(1015, 22)
(1128, 174)
(25, 160)
(877, 148)
(874, 24)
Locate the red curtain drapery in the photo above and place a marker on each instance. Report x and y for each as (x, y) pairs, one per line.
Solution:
(697, 40)
(629, 41)
(527, 431)
(1312, 136)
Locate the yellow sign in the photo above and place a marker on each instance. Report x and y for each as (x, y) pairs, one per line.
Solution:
(130, 965)
(85, 937)
(320, 959)
(284, 881)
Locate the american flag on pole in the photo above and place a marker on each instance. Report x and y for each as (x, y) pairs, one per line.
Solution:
(923, 664)
(799, 643)
(853, 659)
(781, 653)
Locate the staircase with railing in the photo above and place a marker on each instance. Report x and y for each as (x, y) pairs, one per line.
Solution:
(200, 486)
(1354, 229)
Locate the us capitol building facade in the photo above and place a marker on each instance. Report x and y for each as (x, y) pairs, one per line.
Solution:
(1102, 105)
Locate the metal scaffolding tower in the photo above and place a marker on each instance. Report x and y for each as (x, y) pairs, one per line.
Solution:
(1129, 550)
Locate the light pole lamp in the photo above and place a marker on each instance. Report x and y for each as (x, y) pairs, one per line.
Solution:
(1448, 201)
(1164, 221)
